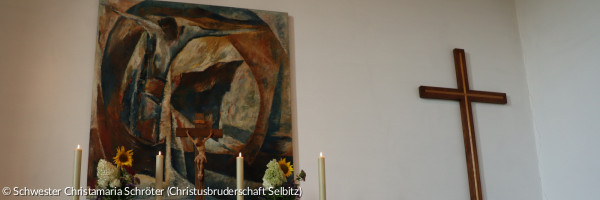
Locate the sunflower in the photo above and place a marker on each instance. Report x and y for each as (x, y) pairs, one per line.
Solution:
(123, 158)
(286, 167)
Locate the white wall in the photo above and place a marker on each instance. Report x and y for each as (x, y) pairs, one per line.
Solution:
(356, 69)
(561, 44)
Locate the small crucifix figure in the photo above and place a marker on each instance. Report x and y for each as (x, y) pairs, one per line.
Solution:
(465, 96)
(204, 130)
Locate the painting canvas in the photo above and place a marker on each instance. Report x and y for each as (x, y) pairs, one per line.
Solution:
(162, 67)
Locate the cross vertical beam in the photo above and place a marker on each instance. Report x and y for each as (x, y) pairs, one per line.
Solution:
(465, 96)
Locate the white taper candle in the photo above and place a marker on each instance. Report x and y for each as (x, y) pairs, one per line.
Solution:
(159, 173)
(240, 176)
(76, 170)
(322, 195)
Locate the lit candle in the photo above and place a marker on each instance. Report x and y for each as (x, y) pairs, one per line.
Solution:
(322, 195)
(159, 173)
(240, 176)
(76, 169)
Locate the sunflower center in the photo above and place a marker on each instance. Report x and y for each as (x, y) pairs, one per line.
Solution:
(284, 168)
(123, 158)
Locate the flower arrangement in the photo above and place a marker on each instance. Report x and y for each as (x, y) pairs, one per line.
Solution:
(116, 177)
(276, 176)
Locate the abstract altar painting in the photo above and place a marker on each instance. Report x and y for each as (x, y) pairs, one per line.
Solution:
(166, 67)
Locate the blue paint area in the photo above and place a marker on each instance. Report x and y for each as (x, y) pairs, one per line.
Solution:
(275, 116)
(273, 144)
(239, 134)
(190, 166)
(114, 62)
(161, 8)
(128, 95)
(179, 166)
(109, 82)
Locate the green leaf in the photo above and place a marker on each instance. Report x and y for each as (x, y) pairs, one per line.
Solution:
(301, 176)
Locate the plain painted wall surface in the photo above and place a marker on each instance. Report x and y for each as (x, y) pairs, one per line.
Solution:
(356, 67)
(561, 44)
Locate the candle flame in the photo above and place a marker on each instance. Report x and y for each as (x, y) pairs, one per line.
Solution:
(321, 154)
(240, 154)
(78, 147)
(159, 152)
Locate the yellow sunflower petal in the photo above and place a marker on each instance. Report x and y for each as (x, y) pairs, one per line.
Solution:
(286, 167)
(123, 158)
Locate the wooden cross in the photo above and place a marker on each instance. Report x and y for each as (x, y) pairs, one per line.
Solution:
(465, 96)
(202, 132)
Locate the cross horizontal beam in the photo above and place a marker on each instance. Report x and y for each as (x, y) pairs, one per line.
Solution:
(199, 132)
(456, 94)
